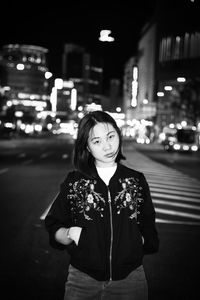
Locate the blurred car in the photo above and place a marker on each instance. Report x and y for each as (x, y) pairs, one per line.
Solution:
(183, 139)
(7, 130)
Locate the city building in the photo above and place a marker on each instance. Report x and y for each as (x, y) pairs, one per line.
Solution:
(115, 95)
(168, 62)
(113, 100)
(24, 85)
(85, 70)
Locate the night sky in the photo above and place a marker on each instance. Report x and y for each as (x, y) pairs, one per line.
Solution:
(52, 25)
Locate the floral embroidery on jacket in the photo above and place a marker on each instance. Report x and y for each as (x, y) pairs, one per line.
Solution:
(129, 197)
(84, 198)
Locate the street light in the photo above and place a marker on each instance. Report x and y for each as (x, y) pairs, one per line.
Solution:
(48, 75)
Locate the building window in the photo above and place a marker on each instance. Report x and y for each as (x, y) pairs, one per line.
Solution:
(179, 47)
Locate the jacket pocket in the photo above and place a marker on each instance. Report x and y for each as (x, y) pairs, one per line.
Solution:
(130, 249)
(88, 252)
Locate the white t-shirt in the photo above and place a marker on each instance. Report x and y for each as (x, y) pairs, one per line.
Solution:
(106, 173)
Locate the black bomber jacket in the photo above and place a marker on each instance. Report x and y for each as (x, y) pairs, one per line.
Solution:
(113, 218)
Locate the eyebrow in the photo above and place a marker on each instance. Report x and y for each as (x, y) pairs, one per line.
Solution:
(98, 137)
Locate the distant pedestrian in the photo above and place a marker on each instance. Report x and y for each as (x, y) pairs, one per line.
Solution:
(104, 217)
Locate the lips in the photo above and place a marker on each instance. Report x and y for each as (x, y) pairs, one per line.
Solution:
(110, 155)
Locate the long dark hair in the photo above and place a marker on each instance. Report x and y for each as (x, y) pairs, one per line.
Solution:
(83, 160)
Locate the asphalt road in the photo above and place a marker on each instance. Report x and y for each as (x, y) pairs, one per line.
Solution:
(30, 174)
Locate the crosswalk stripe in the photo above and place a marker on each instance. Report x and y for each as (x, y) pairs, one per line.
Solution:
(175, 187)
(176, 204)
(173, 197)
(172, 178)
(174, 183)
(159, 220)
(176, 213)
(174, 192)
(165, 174)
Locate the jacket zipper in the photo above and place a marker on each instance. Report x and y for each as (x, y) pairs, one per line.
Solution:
(111, 230)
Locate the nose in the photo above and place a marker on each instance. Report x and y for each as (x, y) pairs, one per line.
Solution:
(106, 145)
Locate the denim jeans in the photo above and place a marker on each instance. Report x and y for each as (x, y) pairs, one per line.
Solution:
(80, 286)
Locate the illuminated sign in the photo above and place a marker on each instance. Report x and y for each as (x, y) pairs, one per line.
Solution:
(105, 37)
(134, 87)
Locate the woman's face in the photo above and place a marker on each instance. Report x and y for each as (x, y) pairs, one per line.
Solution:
(103, 143)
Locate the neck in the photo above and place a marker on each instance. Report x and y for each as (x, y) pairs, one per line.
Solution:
(106, 165)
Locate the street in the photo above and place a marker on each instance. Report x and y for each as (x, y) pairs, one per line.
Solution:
(31, 171)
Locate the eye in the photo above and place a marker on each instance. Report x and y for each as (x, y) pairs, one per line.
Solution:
(96, 142)
(111, 136)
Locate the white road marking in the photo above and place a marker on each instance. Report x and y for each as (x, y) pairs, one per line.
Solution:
(2, 171)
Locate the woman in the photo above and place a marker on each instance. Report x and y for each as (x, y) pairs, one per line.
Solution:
(104, 217)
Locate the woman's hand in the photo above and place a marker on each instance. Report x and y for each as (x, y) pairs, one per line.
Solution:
(66, 235)
(74, 233)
